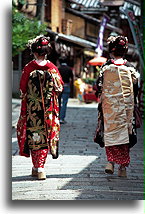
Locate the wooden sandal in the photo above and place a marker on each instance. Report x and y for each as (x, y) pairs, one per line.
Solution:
(109, 168)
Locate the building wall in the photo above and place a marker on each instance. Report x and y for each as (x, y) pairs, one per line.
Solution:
(30, 8)
(78, 25)
(92, 30)
(56, 16)
(126, 30)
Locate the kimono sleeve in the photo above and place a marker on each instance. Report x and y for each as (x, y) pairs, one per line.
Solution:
(134, 74)
(58, 83)
(99, 83)
(135, 79)
(24, 79)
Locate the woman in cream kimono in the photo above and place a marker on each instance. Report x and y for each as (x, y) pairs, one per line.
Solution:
(116, 123)
(38, 125)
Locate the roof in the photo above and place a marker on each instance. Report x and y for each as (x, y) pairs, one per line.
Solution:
(77, 40)
(96, 5)
(83, 42)
(73, 39)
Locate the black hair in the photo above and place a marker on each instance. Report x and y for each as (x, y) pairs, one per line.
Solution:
(118, 45)
(63, 59)
(40, 45)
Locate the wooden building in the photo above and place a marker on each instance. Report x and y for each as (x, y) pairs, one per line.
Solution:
(73, 27)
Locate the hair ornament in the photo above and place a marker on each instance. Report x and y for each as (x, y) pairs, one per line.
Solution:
(111, 39)
(44, 42)
(121, 42)
(126, 39)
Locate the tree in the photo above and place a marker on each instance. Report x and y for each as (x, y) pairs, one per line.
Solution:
(23, 29)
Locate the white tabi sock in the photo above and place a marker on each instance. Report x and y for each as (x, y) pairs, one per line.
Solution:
(40, 169)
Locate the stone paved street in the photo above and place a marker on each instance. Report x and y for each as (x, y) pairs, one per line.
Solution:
(78, 173)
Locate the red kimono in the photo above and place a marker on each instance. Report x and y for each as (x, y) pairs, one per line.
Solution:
(38, 125)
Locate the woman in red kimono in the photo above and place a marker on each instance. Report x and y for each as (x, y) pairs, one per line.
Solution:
(38, 125)
(117, 84)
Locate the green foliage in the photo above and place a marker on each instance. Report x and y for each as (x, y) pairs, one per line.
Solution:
(23, 29)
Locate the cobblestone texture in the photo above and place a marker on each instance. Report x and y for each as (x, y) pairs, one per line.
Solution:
(78, 173)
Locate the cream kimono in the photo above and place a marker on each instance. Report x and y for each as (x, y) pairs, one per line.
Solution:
(115, 85)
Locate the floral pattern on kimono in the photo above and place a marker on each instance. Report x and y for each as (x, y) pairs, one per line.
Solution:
(41, 112)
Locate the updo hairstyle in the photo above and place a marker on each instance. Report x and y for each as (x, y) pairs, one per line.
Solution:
(40, 45)
(118, 45)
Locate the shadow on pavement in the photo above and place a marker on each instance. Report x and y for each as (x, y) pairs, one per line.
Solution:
(76, 139)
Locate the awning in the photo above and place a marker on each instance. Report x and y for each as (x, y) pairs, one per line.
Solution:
(84, 43)
(73, 39)
(97, 61)
(77, 40)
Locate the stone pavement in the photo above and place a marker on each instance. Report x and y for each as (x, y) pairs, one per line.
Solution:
(78, 173)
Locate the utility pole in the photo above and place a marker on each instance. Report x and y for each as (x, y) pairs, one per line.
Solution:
(40, 10)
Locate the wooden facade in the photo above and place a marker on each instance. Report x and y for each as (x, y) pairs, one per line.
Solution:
(78, 25)
(62, 19)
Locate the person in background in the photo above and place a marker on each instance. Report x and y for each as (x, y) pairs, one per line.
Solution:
(38, 125)
(79, 88)
(117, 89)
(67, 77)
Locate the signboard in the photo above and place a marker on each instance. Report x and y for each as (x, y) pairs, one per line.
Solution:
(135, 32)
(99, 48)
